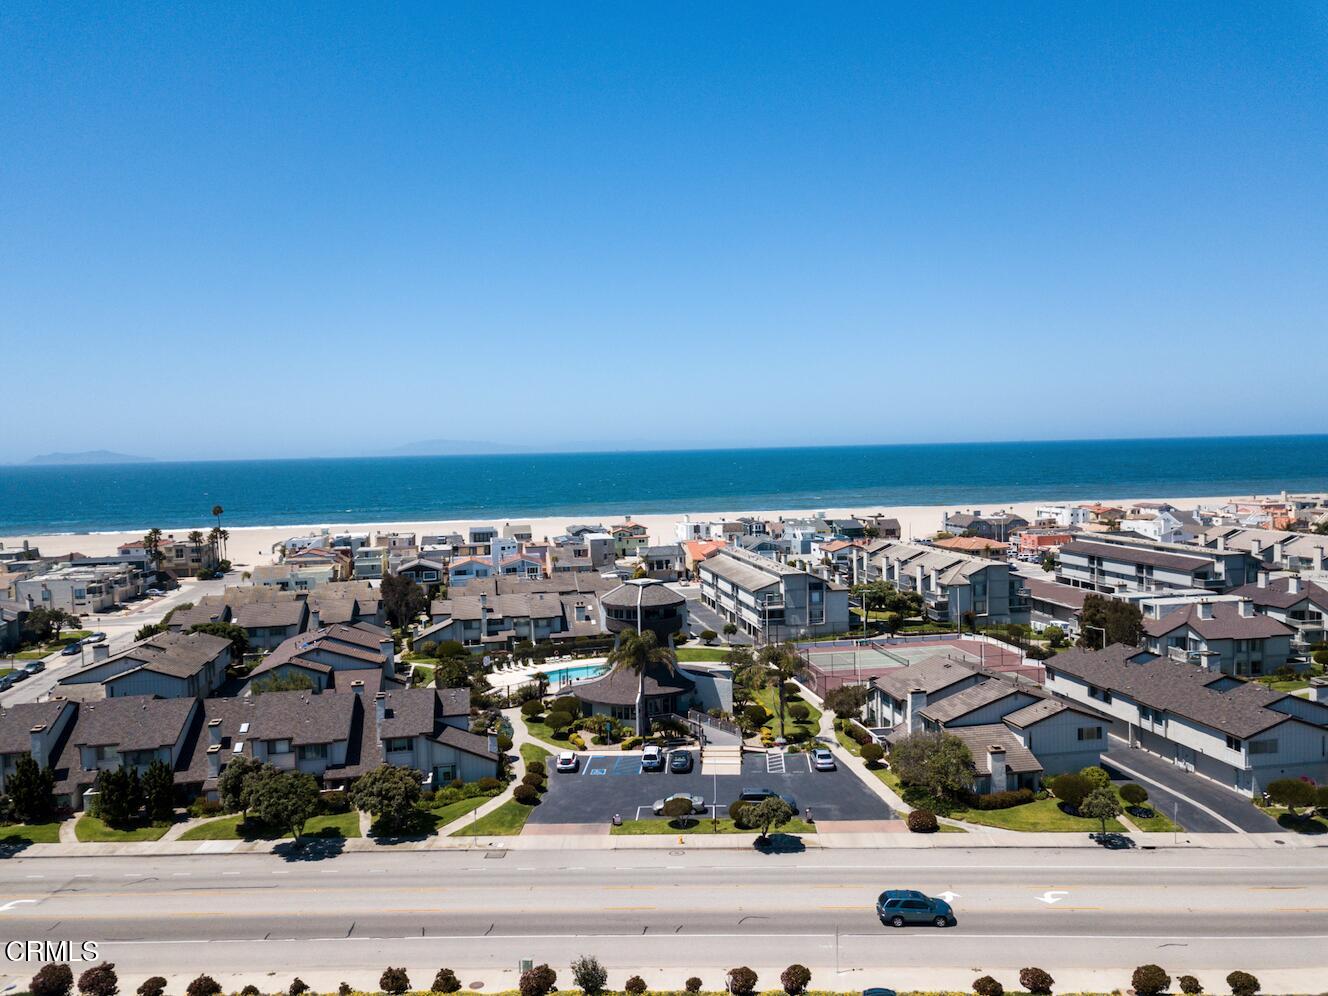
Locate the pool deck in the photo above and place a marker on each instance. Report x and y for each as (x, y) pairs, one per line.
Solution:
(525, 673)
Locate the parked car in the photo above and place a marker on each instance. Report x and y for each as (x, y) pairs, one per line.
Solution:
(900, 907)
(95, 638)
(6, 682)
(652, 759)
(567, 761)
(698, 803)
(878, 992)
(19, 675)
(154, 592)
(823, 760)
(72, 649)
(680, 762)
(760, 794)
(34, 667)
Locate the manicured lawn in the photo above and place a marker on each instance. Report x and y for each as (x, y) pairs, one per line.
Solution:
(1042, 816)
(1304, 822)
(542, 731)
(32, 833)
(507, 820)
(769, 697)
(228, 828)
(534, 752)
(701, 825)
(89, 829)
(701, 653)
(444, 815)
(421, 675)
(1157, 823)
(946, 828)
(31, 655)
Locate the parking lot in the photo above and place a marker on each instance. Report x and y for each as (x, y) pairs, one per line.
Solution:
(609, 784)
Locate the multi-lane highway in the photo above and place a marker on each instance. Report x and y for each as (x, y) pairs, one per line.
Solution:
(680, 912)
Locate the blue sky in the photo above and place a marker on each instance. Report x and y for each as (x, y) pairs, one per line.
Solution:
(294, 229)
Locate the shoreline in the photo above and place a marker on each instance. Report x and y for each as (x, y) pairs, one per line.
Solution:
(251, 545)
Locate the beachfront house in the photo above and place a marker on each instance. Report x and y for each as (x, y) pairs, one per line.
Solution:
(771, 600)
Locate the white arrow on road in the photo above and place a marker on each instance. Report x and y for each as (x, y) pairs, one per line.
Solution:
(949, 897)
(1052, 896)
(14, 902)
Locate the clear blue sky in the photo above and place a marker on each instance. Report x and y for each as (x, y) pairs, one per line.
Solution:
(290, 229)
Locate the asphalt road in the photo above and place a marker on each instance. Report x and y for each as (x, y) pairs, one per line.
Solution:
(480, 911)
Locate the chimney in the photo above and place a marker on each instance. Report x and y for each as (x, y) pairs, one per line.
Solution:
(1278, 553)
(214, 760)
(389, 651)
(1222, 543)
(1205, 610)
(1263, 579)
(214, 732)
(38, 746)
(380, 707)
(100, 651)
(996, 762)
(919, 578)
(315, 619)
(1256, 548)
(934, 579)
(917, 701)
(1247, 609)
(1293, 586)
(1319, 559)
(357, 686)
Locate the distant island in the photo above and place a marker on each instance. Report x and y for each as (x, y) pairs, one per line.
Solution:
(88, 456)
(453, 447)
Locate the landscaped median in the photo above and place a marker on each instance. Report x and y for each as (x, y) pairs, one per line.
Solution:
(236, 827)
(509, 819)
(25, 833)
(90, 829)
(699, 825)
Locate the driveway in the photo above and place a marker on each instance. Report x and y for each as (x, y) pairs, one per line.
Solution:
(701, 617)
(614, 783)
(1197, 798)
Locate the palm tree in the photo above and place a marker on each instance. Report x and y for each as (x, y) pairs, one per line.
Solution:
(636, 652)
(782, 663)
(217, 510)
(152, 546)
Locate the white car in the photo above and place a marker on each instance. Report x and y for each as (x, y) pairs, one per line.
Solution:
(567, 761)
(823, 760)
(155, 592)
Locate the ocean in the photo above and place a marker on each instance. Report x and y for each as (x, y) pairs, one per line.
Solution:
(385, 489)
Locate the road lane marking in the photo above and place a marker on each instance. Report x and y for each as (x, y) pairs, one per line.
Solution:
(14, 902)
(1052, 896)
(630, 907)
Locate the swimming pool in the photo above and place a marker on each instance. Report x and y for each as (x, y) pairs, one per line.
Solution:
(563, 675)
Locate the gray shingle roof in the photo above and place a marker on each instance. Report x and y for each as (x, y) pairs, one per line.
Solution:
(962, 703)
(1018, 758)
(1137, 555)
(1226, 623)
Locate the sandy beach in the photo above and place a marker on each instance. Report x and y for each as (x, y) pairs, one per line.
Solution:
(252, 545)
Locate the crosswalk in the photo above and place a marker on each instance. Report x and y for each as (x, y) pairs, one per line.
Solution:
(774, 762)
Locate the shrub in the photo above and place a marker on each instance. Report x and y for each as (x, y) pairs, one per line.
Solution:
(741, 981)
(1133, 794)
(738, 813)
(1243, 984)
(250, 991)
(504, 742)
(204, 807)
(635, 985)
(533, 780)
(708, 636)
(532, 707)
(536, 768)
(52, 980)
(589, 975)
(693, 985)
(1189, 985)
(155, 986)
(800, 712)
(1097, 777)
(204, 985)
(794, 979)
(922, 821)
(297, 986)
(99, 980)
(1036, 981)
(527, 795)
(987, 986)
(488, 784)
(1071, 789)
(569, 704)
(1292, 793)
(445, 982)
(538, 981)
(343, 989)
(872, 752)
(558, 720)
(1150, 980)
(394, 980)
(1321, 657)
(1004, 800)
(754, 715)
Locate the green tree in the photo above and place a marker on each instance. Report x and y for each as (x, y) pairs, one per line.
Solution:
(1133, 794)
(52, 980)
(119, 796)
(1123, 622)
(937, 762)
(31, 791)
(237, 778)
(152, 547)
(227, 631)
(149, 630)
(286, 800)
(770, 813)
(782, 664)
(451, 673)
(730, 629)
(1101, 804)
(589, 975)
(296, 681)
(638, 653)
(158, 784)
(403, 599)
(1071, 788)
(677, 811)
(388, 793)
(1292, 793)
(42, 625)
(99, 980)
(217, 512)
(846, 701)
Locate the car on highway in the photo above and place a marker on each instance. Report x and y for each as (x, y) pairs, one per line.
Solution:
(698, 803)
(680, 762)
(761, 794)
(900, 907)
(567, 761)
(95, 638)
(652, 759)
(72, 649)
(34, 667)
(823, 760)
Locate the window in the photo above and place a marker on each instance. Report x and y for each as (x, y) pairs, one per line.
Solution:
(278, 747)
(1233, 743)
(1090, 733)
(397, 744)
(312, 752)
(1264, 746)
